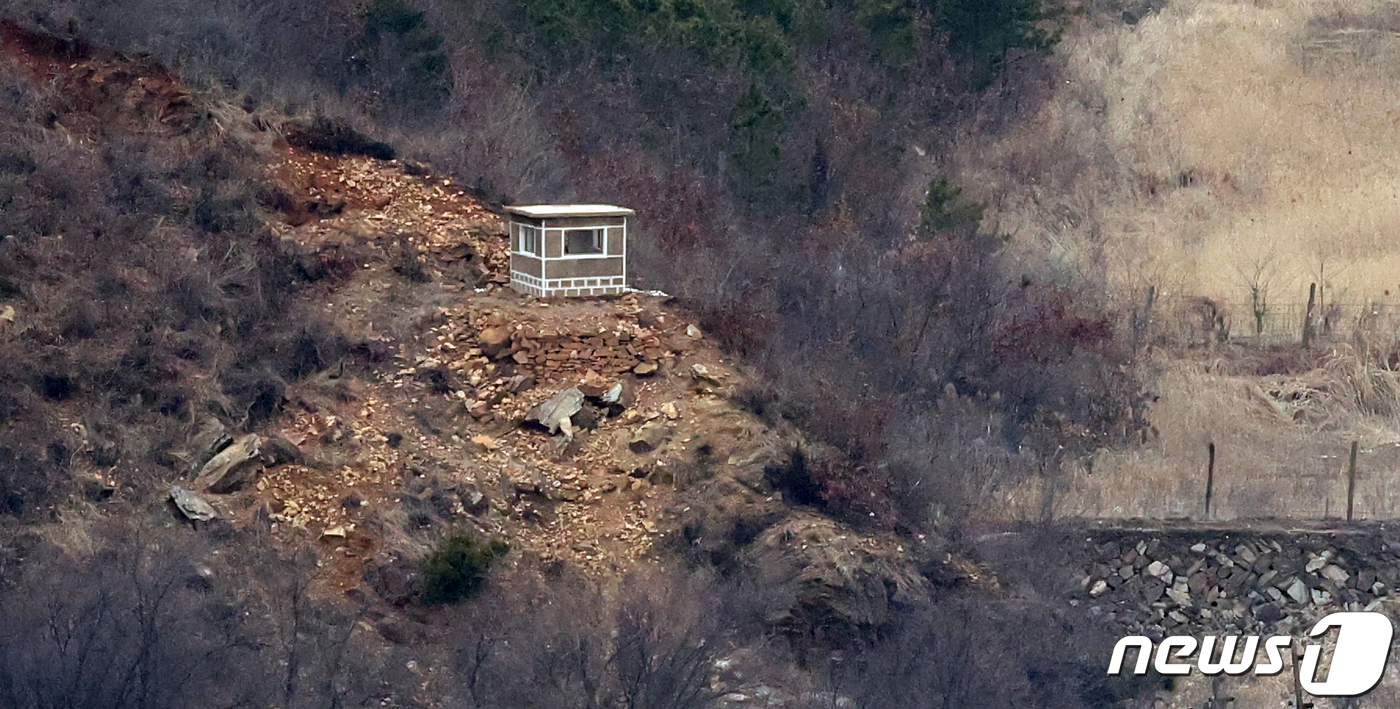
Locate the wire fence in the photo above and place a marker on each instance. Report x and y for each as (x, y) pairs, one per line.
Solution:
(1202, 319)
(1285, 322)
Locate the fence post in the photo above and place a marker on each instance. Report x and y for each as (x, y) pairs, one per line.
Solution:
(1210, 478)
(1141, 318)
(1351, 479)
(1296, 652)
(1308, 318)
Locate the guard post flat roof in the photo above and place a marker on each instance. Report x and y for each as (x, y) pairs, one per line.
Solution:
(556, 211)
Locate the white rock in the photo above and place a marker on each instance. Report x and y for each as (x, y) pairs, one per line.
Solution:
(1298, 591)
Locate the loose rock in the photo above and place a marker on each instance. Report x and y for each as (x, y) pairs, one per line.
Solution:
(648, 438)
(495, 342)
(232, 468)
(191, 505)
(558, 409)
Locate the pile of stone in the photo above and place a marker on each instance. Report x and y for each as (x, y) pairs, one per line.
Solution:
(1153, 583)
(555, 351)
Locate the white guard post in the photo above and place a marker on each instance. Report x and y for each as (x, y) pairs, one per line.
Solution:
(568, 249)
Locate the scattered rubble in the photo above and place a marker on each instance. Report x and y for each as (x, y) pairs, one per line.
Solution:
(1151, 583)
(96, 486)
(701, 373)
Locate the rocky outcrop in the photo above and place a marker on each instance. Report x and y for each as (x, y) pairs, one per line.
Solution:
(234, 466)
(192, 506)
(557, 411)
(845, 585)
(825, 581)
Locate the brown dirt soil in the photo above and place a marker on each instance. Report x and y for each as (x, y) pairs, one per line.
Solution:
(408, 428)
(442, 414)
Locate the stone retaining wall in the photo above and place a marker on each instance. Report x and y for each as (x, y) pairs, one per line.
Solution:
(1153, 581)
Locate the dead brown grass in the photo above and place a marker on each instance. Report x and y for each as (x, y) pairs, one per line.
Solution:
(1208, 135)
(1364, 382)
(1282, 443)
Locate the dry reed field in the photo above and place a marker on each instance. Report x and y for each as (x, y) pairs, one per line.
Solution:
(1282, 446)
(1208, 139)
(1235, 150)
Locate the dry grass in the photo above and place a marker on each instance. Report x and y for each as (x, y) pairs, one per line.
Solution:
(1366, 384)
(72, 531)
(1282, 444)
(1212, 140)
(1210, 134)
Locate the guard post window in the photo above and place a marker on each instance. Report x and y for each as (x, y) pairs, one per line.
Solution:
(583, 241)
(530, 240)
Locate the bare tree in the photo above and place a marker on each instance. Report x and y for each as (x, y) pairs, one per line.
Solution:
(664, 648)
(1258, 275)
(123, 630)
(565, 644)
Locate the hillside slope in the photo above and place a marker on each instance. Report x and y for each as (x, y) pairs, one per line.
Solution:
(265, 373)
(468, 359)
(373, 377)
(1192, 143)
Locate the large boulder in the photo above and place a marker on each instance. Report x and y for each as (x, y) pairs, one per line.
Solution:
(648, 438)
(495, 342)
(234, 466)
(206, 442)
(560, 408)
(191, 505)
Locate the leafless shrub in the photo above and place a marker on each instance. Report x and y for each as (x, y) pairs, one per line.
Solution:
(495, 143)
(335, 137)
(560, 643)
(964, 652)
(120, 630)
(148, 291)
(666, 643)
(154, 619)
